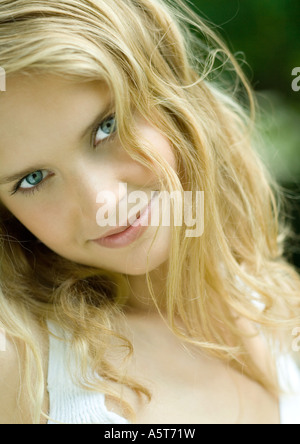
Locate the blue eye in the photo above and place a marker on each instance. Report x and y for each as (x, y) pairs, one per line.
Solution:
(107, 128)
(32, 182)
(32, 179)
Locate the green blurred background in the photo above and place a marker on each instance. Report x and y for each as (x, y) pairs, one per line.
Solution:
(267, 33)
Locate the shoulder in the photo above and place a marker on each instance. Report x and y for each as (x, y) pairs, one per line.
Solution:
(259, 404)
(257, 346)
(9, 379)
(14, 406)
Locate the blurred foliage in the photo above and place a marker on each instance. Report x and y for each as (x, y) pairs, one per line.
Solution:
(266, 31)
(267, 35)
(279, 123)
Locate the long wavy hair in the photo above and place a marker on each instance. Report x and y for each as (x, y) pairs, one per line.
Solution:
(162, 59)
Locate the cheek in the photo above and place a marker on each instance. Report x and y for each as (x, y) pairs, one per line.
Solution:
(158, 141)
(41, 222)
(166, 151)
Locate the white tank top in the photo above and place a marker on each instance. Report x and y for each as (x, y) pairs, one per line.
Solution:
(70, 404)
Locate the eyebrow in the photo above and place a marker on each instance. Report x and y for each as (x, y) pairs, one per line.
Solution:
(21, 174)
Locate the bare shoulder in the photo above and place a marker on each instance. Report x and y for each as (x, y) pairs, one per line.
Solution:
(258, 403)
(257, 347)
(14, 405)
(9, 380)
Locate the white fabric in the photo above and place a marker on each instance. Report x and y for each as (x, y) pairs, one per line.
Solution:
(70, 404)
(289, 380)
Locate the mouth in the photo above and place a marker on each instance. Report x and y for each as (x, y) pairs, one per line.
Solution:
(120, 229)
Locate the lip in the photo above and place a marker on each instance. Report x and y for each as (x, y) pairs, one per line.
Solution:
(125, 235)
(116, 230)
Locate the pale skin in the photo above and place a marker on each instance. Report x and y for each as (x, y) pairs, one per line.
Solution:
(42, 119)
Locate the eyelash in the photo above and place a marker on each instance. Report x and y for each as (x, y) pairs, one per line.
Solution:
(33, 190)
(29, 191)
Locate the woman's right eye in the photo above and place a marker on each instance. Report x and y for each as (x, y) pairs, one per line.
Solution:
(32, 179)
(31, 182)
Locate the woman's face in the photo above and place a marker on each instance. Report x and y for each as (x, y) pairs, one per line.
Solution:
(49, 152)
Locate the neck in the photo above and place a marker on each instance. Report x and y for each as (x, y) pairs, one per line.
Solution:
(140, 299)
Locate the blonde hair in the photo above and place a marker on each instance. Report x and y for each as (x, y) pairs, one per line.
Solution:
(162, 59)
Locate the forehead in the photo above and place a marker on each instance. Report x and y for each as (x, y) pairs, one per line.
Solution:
(49, 92)
(46, 108)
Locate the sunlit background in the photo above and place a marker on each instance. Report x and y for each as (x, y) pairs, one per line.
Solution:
(266, 34)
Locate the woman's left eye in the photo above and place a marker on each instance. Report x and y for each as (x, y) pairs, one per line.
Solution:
(105, 129)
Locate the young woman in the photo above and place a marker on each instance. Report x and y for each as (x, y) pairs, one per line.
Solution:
(108, 320)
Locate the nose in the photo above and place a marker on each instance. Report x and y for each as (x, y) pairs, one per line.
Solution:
(94, 188)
